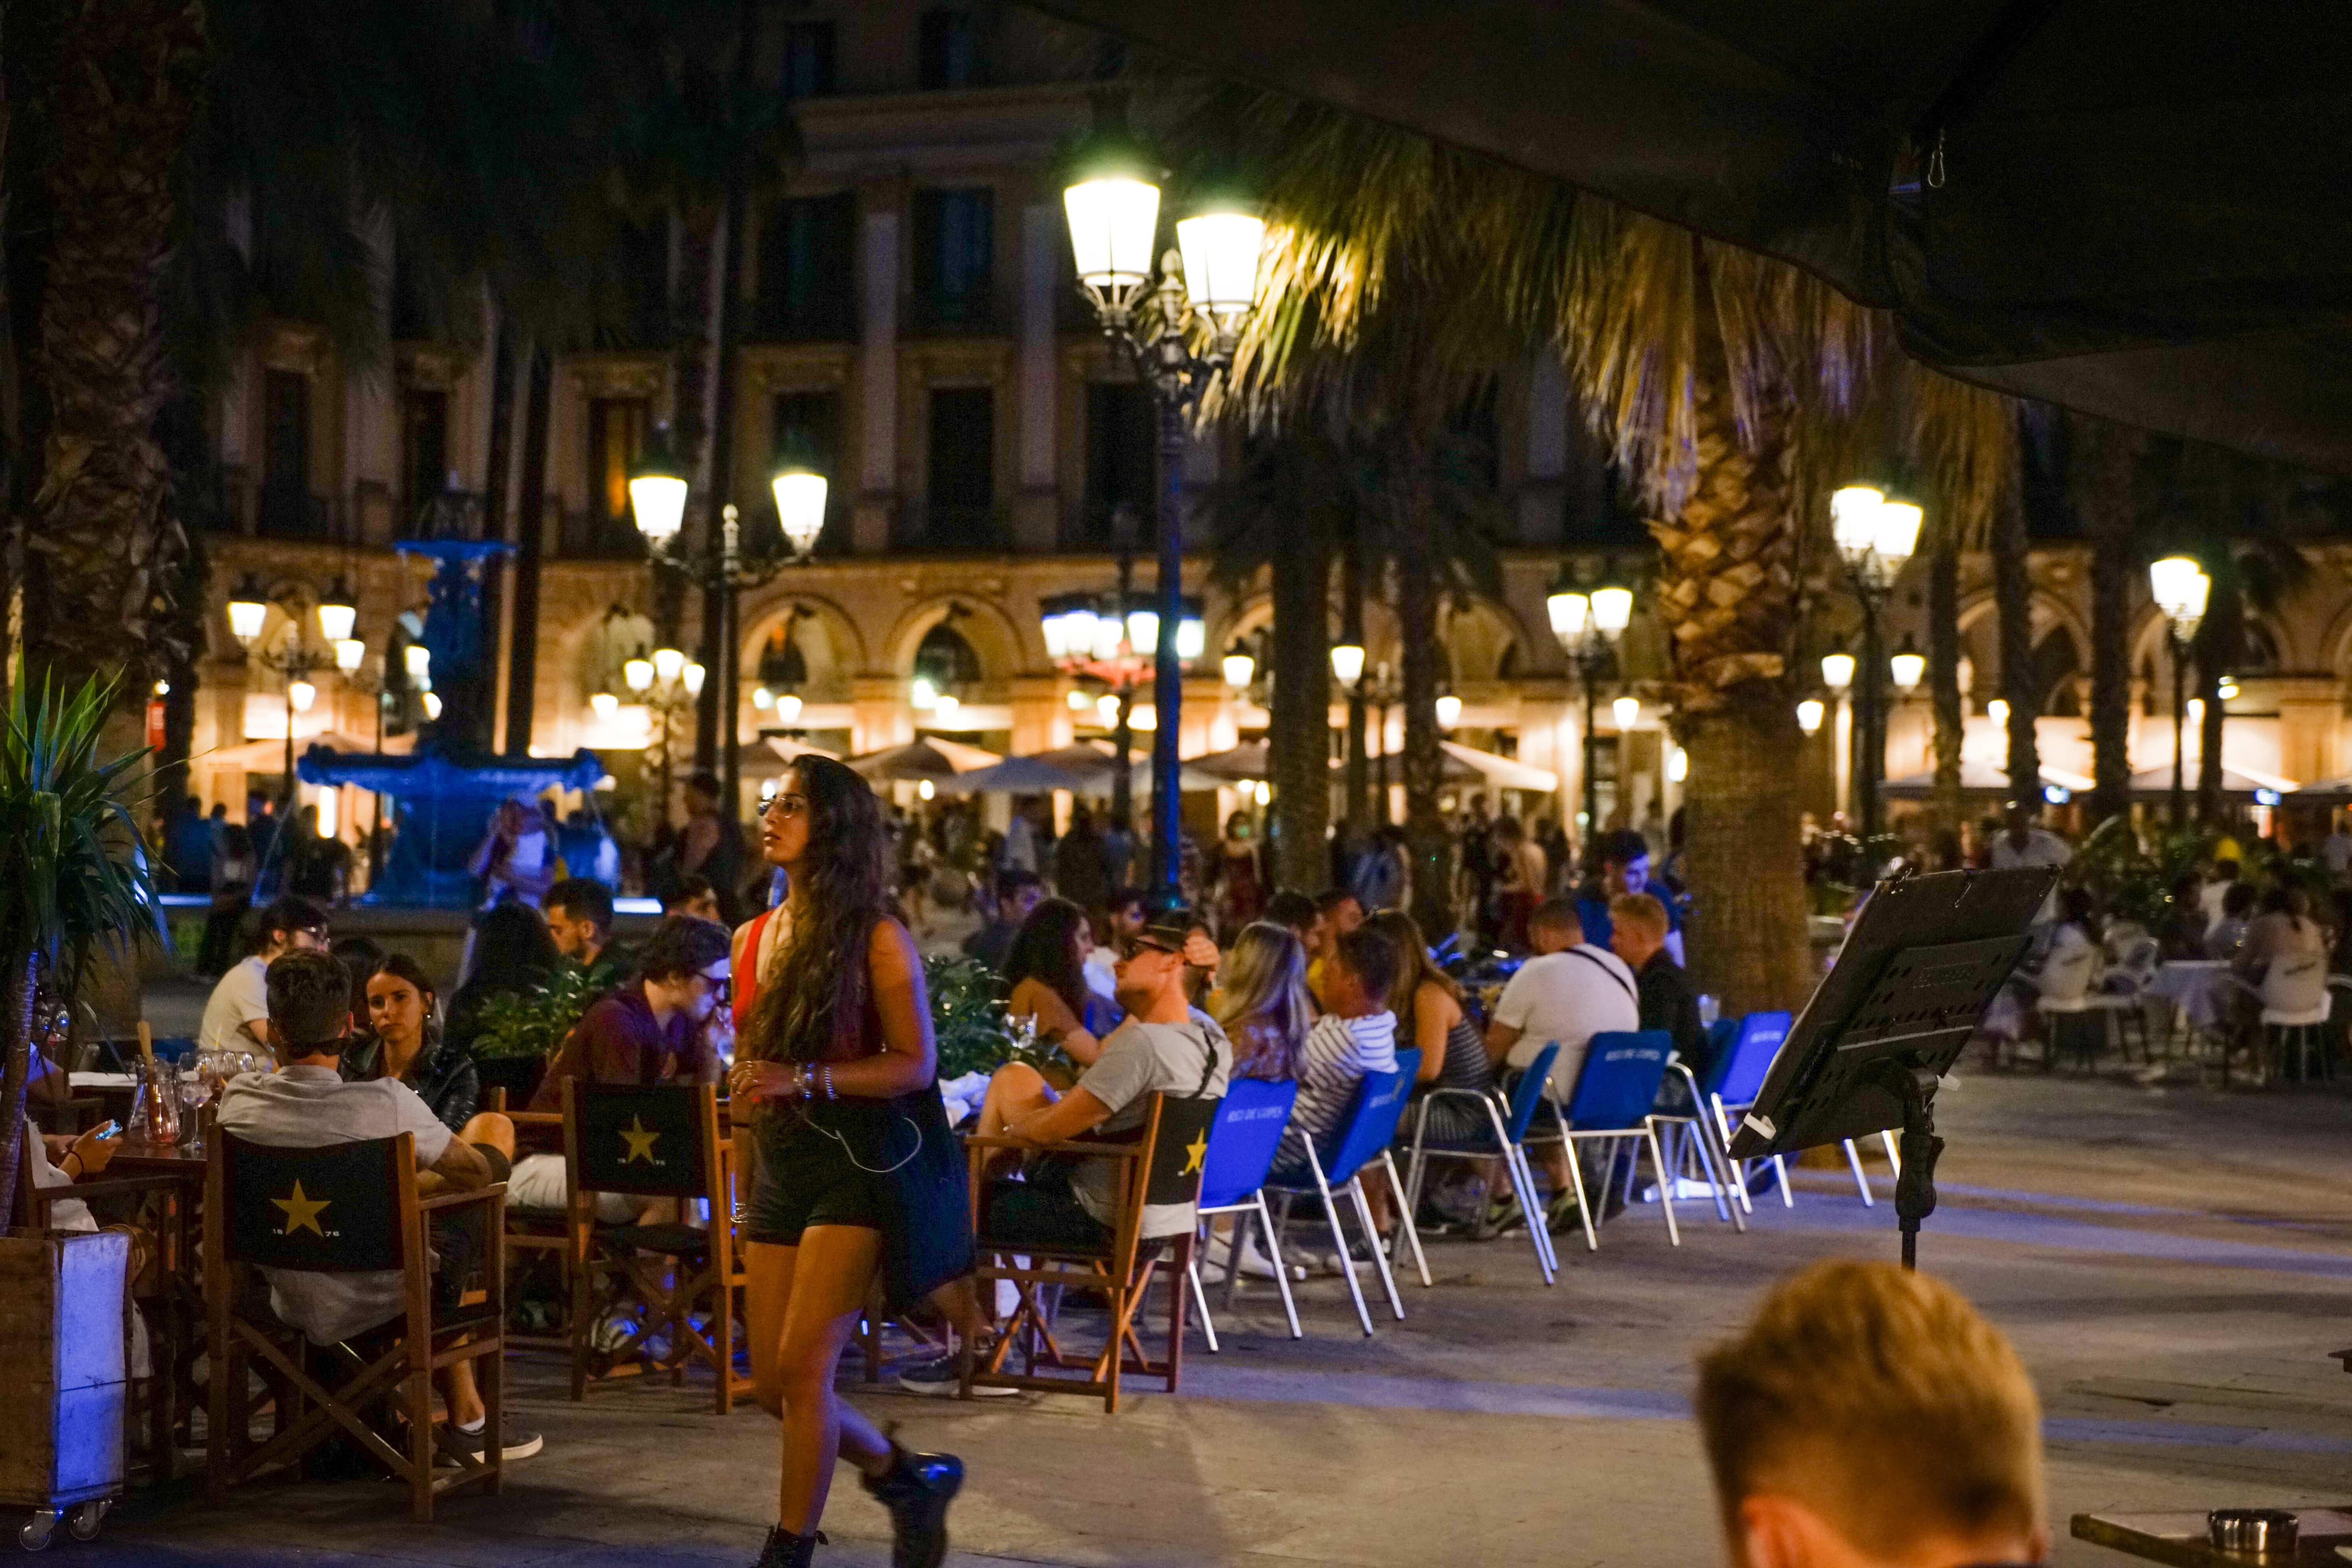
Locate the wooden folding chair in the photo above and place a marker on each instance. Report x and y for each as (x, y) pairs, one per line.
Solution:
(1163, 1168)
(341, 1209)
(661, 1141)
(538, 1242)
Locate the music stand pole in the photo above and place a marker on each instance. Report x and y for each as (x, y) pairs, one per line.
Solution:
(1914, 1187)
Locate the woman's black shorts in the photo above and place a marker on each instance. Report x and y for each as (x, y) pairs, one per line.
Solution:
(807, 1178)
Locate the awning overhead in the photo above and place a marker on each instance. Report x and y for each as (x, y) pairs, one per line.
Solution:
(2134, 212)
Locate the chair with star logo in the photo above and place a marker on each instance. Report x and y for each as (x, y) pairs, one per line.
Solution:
(346, 1209)
(660, 1296)
(1161, 1167)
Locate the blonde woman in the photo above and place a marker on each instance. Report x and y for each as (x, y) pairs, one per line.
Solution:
(1261, 1002)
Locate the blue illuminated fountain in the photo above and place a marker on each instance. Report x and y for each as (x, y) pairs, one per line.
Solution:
(444, 794)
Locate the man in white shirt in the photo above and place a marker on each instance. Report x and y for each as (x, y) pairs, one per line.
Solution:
(236, 1015)
(2024, 844)
(2216, 892)
(1569, 991)
(307, 1104)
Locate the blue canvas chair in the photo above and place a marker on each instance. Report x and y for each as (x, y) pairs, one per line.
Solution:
(1506, 1140)
(1687, 1131)
(1362, 1140)
(1738, 1079)
(1243, 1141)
(1615, 1089)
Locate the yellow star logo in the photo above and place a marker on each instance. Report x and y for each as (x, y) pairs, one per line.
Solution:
(640, 1140)
(1194, 1152)
(302, 1211)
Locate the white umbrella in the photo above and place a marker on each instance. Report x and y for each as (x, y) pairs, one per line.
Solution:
(791, 750)
(1468, 764)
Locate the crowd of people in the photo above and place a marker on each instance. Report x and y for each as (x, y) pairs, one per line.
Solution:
(813, 1013)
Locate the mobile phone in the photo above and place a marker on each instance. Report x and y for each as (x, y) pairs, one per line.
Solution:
(105, 1130)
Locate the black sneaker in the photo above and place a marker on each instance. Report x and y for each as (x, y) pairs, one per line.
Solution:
(514, 1443)
(941, 1377)
(785, 1550)
(917, 1490)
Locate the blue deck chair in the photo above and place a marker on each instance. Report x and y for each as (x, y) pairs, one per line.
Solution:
(1615, 1089)
(1243, 1141)
(1743, 1055)
(1362, 1138)
(1686, 1130)
(1506, 1140)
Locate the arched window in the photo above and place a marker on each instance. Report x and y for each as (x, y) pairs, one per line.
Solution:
(945, 660)
(782, 666)
(2055, 669)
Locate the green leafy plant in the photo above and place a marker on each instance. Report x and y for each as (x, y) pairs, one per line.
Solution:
(531, 1023)
(968, 1023)
(72, 876)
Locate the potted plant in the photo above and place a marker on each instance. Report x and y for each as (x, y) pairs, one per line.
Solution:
(519, 1031)
(71, 878)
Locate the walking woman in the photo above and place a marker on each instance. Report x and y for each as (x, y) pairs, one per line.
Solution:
(858, 1173)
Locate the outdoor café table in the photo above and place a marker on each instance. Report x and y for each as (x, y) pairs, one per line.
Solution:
(179, 1300)
(2198, 987)
(2180, 1539)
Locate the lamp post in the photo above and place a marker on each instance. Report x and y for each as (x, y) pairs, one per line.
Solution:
(296, 660)
(1588, 625)
(657, 493)
(1874, 537)
(1209, 280)
(1372, 693)
(1115, 640)
(2180, 588)
(668, 681)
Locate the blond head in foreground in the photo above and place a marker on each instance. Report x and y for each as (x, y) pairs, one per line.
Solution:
(1871, 1418)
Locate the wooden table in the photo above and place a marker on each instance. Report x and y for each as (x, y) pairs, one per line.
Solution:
(2180, 1538)
(180, 1301)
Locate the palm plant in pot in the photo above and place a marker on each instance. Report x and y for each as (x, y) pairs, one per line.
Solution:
(71, 876)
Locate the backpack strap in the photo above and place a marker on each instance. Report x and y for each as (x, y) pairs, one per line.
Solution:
(1583, 950)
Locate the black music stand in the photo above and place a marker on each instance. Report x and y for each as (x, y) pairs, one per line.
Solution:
(1924, 958)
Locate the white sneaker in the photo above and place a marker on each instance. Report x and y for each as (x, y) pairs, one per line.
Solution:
(1255, 1264)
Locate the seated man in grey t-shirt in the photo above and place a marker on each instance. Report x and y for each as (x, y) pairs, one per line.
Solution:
(1163, 1047)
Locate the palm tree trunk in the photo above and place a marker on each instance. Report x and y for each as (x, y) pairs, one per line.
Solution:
(1944, 669)
(121, 100)
(1359, 814)
(15, 1069)
(2219, 639)
(1426, 839)
(1727, 592)
(2105, 458)
(1299, 736)
(2012, 587)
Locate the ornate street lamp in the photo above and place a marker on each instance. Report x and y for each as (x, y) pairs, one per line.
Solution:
(1209, 281)
(1113, 639)
(2180, 589)
(1589, 625)
(1809, 713)
(657, 497)
(295, 660)
(1874, 537)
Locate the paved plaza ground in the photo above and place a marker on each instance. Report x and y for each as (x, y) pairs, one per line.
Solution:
(2174, 1267)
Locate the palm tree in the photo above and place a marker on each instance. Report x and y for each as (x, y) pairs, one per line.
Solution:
(2103, 467)
(1277, 516)
(121, 85)
(1710, 370)
(70, 875)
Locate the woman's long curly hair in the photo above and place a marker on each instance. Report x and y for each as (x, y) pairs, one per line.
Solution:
(822, 985)
(1045, 949)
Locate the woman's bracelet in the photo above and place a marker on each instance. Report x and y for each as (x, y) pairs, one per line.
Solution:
(828, 1080)
(75, 1155)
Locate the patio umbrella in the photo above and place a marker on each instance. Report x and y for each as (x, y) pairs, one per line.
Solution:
(1245, 763)
(1023, 775)
(2237, 783)
(1981, 777)
(790, 748)
(2108, 204)
(932, 759)
(1467, 765)
(270, 757)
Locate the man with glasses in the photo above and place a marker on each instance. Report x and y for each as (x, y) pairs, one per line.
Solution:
(654, 1030)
